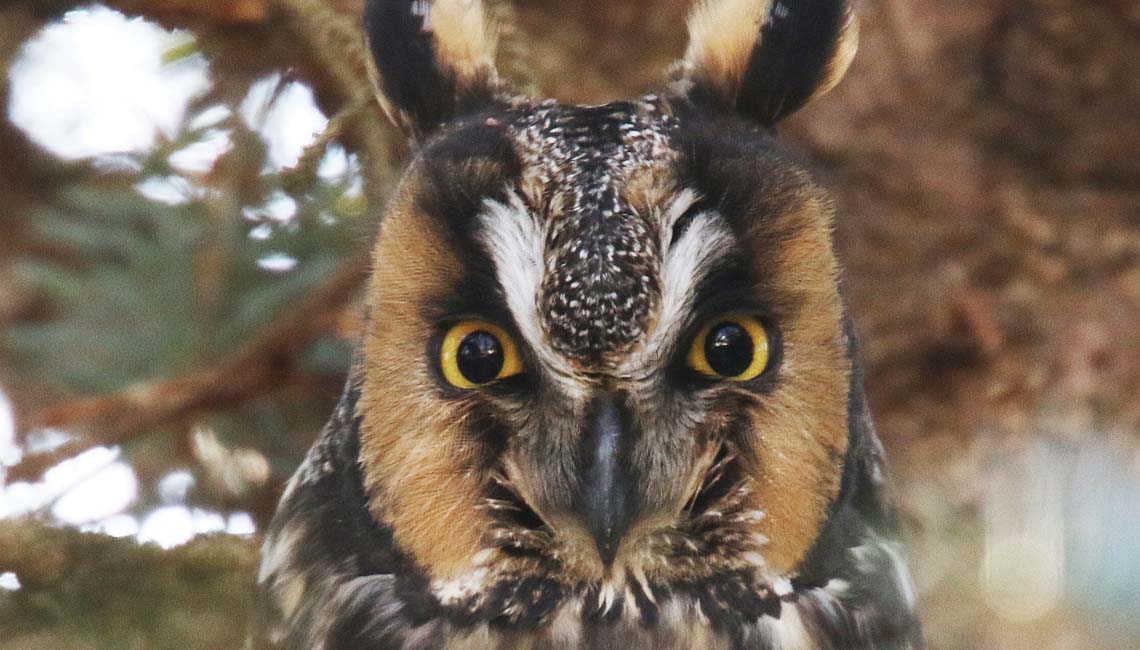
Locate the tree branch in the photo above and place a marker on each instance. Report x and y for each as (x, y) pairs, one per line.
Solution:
(332, 58)
(334, 42)
(266, 362)
(197, 595)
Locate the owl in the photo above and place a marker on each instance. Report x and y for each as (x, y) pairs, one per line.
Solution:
(607, 395)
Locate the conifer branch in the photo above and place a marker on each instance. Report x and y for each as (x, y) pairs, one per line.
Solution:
(267, 362)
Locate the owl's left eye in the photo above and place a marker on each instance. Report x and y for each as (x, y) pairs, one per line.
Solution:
(733, 347)
(475, 353)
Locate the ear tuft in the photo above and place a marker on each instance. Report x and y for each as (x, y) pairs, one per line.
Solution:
(465, 40)
(434, 59)
(722, 35)
(767, 58)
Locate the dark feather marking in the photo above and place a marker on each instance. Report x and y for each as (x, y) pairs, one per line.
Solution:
(797, 43)
(410, 76)
(369, 618)
(731, 600)
(461, 168)
(650, 614)
(683, 222)
(523, 602)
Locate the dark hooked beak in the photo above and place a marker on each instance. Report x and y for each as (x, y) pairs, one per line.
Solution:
(605, 499)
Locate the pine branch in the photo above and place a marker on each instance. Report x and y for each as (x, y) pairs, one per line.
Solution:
(331, 58)
(304, 172)
(334, 42)
(267, 362)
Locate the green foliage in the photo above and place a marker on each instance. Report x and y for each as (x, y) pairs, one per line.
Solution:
(148, 266)
(155, 264)
(139, 288)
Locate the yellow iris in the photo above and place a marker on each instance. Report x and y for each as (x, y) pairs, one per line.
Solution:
(475, 353)
(733, 347)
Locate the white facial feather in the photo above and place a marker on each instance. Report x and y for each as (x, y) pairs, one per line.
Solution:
(687, 262)
(514, 237)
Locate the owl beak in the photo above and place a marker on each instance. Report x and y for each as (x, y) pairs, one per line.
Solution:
(605, 489)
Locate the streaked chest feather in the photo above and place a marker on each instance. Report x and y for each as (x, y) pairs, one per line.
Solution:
(326, 606)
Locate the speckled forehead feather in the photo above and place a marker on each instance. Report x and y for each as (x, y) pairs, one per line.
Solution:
(602, 254)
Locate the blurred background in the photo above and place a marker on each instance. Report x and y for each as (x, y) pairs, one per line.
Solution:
(188, 189)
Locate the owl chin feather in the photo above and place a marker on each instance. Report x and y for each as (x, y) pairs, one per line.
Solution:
(607, 395)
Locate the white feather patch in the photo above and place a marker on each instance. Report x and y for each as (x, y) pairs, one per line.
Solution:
(788, 632)
(279, 552)
(687, 262)
(514, 238)
(566, 627)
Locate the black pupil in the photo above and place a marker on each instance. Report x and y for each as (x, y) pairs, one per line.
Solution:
(728, 349)
(480, 357)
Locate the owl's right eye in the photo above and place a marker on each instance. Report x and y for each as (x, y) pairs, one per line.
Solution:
(475, 353)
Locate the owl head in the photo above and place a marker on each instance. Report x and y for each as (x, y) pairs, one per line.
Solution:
(606, 375)
(606, 349)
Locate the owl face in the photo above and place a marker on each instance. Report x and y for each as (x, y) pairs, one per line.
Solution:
(607, 349)
(606, 353)
(605, 397)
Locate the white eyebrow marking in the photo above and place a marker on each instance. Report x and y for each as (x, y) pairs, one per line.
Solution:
(515, 239)
(688, 260)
